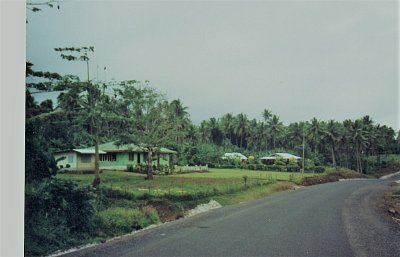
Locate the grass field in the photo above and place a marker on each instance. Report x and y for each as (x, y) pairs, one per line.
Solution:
(214, 182)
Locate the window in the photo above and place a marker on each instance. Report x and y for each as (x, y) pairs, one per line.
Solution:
(86, 158)
(108, 157)
(131, 156)
(138, 158)
(70, 158)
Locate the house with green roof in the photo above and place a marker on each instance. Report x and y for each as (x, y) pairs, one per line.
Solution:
(284, 156)
(112, 156)
(234, 156)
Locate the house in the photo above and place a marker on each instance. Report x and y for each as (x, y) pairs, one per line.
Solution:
(285, 156)
(234, 156)
(112, 157)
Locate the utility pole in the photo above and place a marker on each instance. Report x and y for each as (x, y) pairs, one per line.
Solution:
(303, 152)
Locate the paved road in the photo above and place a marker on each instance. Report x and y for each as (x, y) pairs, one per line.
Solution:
(334, 219)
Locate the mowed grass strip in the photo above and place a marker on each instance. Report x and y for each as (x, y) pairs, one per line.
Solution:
(219, 181)
(251, 174)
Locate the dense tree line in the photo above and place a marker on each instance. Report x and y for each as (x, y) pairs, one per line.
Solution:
(335, 143)
(132, 111)
(89, 113)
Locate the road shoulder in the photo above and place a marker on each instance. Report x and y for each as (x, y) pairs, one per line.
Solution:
(370, 230)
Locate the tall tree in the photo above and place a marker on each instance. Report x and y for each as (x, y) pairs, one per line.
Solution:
(216, 133)
(241, 127)
(181, 119)
(275, 128)
(315, 131)
(82, 54)
(266, 114)
(333, 133)
(227, 122)
(205, 132)
(148, 121)
(359, 137)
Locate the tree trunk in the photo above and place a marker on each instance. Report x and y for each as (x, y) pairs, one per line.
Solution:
(96, 181)
(150, 165)
(358, 158)
(303, 154)
(333, 156)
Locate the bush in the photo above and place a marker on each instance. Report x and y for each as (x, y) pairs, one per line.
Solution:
(119, 220)
(57, 214)
(276, 167)
(309, 165)
(39, 162)
(293, 168)
(130, 168)
(319, 169)
(260, 167)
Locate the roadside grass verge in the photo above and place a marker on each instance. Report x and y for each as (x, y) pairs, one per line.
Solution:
(181, 187)
(254, 193)
(331, 175)
(389, 202)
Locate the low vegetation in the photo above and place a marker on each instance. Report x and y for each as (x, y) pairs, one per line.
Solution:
(331, 175)
(390, 202)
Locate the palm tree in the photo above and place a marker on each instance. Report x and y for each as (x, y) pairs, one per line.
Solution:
(192, 134)
(205, 133)
(216, 134)
(180, 117)
(227, 122)
(275, 127)
(266, 114)
(333, 134)
(241, 127)
(254, 135)
(359, 137)
(315, 131)
(295, 134)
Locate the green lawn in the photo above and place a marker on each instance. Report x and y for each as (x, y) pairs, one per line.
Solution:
(214, 182)
(239, 173)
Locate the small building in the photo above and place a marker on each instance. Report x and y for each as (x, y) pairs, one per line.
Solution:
(285, 156)
(112, 156)
(234, 156)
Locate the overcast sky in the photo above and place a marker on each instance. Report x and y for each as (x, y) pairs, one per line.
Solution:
(299, 59)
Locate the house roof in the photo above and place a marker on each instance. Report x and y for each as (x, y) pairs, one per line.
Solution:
(282, 155)
(113, 147)
(81, 151)
(87, 151)
(234, 156)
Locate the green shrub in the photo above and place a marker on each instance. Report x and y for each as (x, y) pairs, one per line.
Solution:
(260, 167)
(319, 169)
(119, 220)
(251, 167)
(58, 214)
(293, 168)
(279, 161)
(277, 167)
(151, 216)
(130, 168)
(309, 165)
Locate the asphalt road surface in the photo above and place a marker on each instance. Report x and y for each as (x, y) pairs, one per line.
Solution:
(334, 219)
